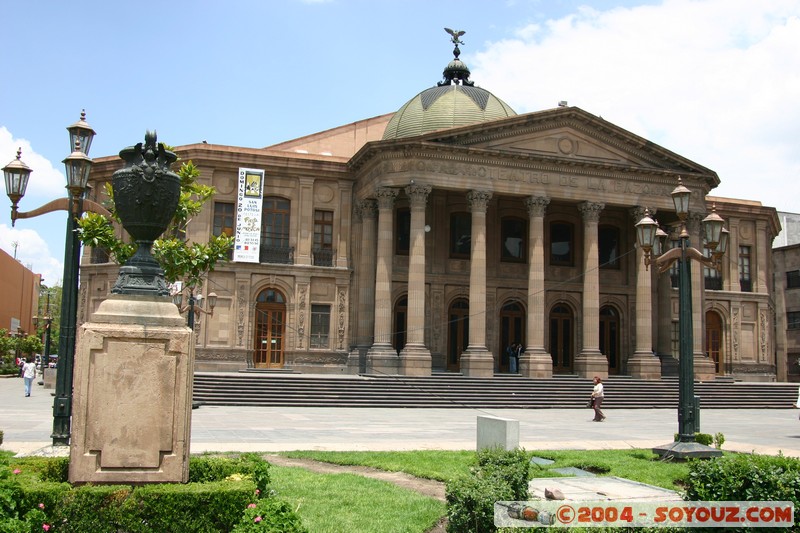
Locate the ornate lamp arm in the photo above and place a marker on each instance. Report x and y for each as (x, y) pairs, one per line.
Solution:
(665, 260)
(62, 204)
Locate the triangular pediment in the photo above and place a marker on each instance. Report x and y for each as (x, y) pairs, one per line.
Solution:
(570, 135)
(564, 142)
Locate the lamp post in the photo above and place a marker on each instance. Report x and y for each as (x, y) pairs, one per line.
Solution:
(194, 305)
(77, 166)
(651, 242)
(47, 321)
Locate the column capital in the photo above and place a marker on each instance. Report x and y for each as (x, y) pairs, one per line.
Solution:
(591, 211)
(385, 197)
(418, 194)
(368, 208)
(637, 212)
(694, 222)
(537, 205)
(479, 200)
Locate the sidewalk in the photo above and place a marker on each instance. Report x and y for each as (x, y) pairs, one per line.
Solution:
(27, 423)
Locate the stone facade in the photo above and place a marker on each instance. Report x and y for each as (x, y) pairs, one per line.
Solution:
(446, 247)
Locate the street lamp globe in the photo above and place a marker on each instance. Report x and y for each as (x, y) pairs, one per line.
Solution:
(680, 197)
(16, 174)
(77, 165)
(81, 135)
(712, 227)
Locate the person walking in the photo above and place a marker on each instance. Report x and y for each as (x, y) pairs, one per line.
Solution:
(28, 374)
(597, 399)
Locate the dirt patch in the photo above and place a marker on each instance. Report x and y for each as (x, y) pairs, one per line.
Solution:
(426, 487)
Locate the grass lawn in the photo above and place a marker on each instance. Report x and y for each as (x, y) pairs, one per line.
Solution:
(348, 503)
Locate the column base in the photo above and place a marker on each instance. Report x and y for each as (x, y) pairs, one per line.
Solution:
(704, 368)
(357, 360)
(415, 360)
(591, 363)
(477, 363)
(644, 365)
(382, 359)
(536, 364)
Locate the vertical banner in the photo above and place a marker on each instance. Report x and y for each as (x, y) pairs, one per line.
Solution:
(248, 215)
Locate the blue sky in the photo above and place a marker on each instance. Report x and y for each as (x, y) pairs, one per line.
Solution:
(717, 81)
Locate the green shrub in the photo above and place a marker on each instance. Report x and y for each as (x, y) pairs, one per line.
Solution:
(56, 469)
(499, 475)
(90, 508)
(513, 466)
(701, 438)
(269, 515)
(248, 465)
(196, 507)
(746, 477)
(719, 439)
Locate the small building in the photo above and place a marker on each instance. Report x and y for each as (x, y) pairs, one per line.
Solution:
(20, 289)
(429, 239)
(786, 260)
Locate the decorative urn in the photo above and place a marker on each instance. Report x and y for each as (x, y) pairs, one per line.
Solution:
(146, 194)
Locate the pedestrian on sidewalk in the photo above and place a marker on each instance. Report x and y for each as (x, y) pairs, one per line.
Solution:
(28, 374)
(597, 399)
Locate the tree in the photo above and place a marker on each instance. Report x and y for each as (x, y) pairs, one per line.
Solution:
(181, 261)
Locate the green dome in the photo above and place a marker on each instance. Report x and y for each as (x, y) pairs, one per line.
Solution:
(443, 107)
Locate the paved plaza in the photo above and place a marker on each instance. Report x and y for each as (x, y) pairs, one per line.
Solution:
(27, 423)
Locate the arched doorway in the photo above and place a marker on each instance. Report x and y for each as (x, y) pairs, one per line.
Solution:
(714, 340)
(457, 333)
(512, 329)
(561, 333)
(399, 329)
(609, 337)
(270, 329)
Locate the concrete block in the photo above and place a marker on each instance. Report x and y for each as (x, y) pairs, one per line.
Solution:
(494, 432)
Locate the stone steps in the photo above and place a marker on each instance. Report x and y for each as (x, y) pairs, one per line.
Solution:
(456, 391)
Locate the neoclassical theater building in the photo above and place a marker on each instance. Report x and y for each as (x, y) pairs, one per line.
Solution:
(429, 239)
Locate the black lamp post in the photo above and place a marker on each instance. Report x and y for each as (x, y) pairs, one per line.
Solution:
(77, 166)
(716, 239)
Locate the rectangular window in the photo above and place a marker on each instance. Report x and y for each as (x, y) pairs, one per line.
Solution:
(403, 232)
(793, 279)
(320, 325)
(561, 235)
(745, 281)
(460, 235)
(712, 275)
(224, 221)
(793, 320)
(323, 238)
(608, 246)
(512, 237)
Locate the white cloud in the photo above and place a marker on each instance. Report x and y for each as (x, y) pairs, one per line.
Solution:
(46, 183)
(716, 81)
(32, 251)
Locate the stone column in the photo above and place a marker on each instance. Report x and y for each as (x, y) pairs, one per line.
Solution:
(306, 226)
(536, 362)
(365, 326)
(477, 361)
(704, 368)
(590, 361)
(759, 263)
(415, 358)
(643, 364)
(382, 357)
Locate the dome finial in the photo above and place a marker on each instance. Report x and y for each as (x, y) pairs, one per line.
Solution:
(456, 71)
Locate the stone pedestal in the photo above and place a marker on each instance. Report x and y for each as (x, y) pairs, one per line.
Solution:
(415, 360)
(50, 378)
(132, 396)
(644, 365)
(495, 432)
(704, 368)
(383, 359)
(591, 363)
(477, 363)
(536, 364)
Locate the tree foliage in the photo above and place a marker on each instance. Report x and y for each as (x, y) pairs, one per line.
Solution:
(181, 260)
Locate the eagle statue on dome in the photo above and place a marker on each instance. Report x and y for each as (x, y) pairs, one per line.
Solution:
(456, 34)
